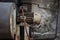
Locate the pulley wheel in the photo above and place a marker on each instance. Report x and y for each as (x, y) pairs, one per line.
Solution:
(7, 20)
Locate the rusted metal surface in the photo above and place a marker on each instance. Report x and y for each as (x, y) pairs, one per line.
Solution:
(17, 37)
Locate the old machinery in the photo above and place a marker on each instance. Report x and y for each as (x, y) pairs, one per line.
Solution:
(28, 19)
(38, 22)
